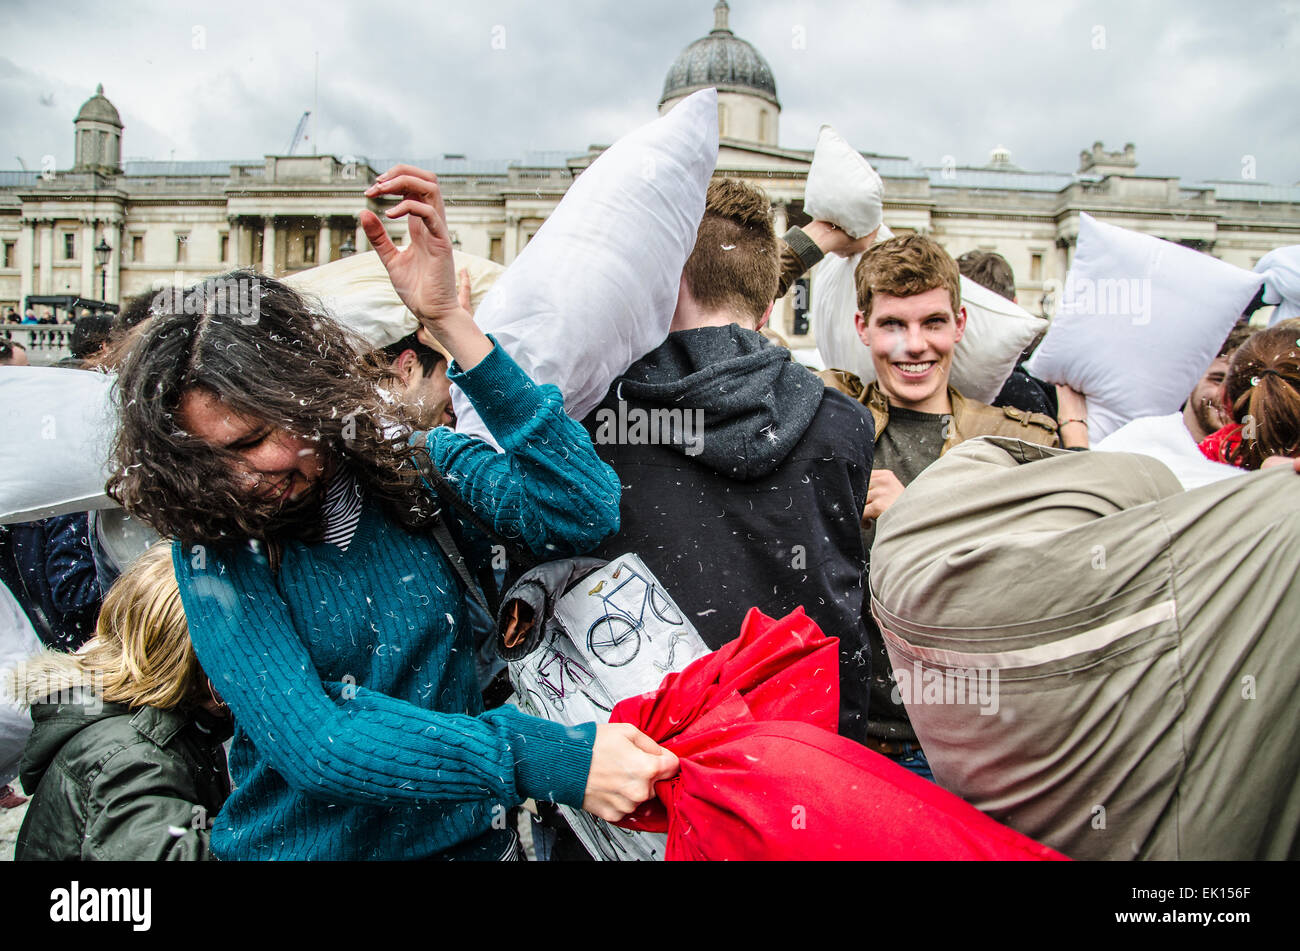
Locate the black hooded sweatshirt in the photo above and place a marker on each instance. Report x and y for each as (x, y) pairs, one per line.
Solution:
(744, 481)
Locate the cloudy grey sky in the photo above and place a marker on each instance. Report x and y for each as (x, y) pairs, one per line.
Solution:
(1195, 85)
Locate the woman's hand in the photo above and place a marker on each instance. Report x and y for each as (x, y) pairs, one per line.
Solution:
(424, 274)
(625, 765)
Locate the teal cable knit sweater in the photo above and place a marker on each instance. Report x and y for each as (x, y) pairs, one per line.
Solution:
(360, 732)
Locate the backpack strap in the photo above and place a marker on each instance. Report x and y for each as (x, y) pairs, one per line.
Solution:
(485, 592)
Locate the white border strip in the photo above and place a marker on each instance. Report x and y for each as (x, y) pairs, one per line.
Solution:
(1082, 643)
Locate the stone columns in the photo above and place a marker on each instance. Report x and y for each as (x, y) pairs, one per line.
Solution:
(47, 257)
(512, 238)
(268, 245)
(26, 261)
(360, 240)
(323, 242)
(89, 287)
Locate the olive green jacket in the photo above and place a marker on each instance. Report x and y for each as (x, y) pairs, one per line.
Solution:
(111, 783)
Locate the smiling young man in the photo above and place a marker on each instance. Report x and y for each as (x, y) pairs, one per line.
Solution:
(911, 318)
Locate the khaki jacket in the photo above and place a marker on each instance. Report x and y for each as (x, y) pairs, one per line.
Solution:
(970, 418)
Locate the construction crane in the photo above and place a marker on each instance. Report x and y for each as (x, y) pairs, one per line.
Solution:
(297, 133)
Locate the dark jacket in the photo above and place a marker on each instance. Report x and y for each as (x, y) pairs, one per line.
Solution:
(110, 783)
(49, 567)
(744, 481)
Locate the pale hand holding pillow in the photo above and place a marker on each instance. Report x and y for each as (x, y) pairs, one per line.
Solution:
(595, 289)
(842, 186)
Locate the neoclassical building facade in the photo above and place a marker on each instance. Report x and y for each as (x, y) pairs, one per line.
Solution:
(174, 222)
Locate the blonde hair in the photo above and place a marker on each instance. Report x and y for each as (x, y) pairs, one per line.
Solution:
(141, 653)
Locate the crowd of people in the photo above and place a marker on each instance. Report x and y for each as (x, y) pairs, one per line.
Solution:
(302, 616)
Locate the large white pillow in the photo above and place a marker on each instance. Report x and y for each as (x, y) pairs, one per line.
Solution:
(596, 287)
(1140, 321)
(1280, 269)
(59, 428)
(358, 292)
(997, 331)
(842, 186)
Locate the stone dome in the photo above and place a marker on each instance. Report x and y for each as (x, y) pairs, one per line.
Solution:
(98, 109)
(720, 59)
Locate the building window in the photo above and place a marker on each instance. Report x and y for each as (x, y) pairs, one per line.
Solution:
(1035, 267)
(309, 247)
(9, 255)
(497, 249)
(137, 247)
(722, 119)
(69, 246)
(802, 304)
(225, 247)
(762, 125)
(182, 248)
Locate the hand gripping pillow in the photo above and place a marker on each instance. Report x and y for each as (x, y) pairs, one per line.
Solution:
(357, 292)
(1280, 269)
(595, 288)
(1140, 321)
(58, 427)
(842, 186)
(997, 331)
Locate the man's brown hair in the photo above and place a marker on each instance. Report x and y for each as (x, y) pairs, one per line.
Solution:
(905, 266)
(735, 263)
(989, 269)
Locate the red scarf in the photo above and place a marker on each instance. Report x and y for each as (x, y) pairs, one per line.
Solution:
(1221, 445)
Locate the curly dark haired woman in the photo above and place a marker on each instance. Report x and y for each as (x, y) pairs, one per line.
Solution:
(249, 419)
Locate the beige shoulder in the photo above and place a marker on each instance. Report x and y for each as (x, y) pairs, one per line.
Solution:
(842, 380)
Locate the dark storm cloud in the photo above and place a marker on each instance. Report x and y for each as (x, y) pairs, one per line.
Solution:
(1195, 85)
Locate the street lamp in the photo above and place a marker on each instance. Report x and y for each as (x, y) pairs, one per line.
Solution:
(347, 248)
(102, 251)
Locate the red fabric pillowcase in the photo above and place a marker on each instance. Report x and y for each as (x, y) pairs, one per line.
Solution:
(764, 775)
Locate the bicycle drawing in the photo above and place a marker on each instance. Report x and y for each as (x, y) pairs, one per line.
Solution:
(615, 638)
(552, 674)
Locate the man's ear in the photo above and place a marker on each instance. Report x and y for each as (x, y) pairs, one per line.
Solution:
(404, 365)
(860, 322)
(767, 315)
(961, 322)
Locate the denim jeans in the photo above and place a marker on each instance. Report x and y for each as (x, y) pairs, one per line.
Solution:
(913, 758)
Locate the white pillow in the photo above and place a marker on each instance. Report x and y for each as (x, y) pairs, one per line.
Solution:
(834, 302)
(59, 428)
(1166, 438)
(997, 331)
(1140, 321)
(1280, 269)
(358, 292)
(842, 186)
(18, 643)
(596, 287)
